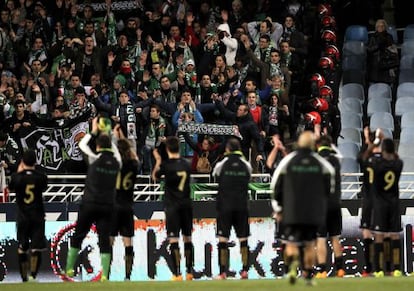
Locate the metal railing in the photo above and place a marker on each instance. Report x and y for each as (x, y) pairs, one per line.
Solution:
(69, 188)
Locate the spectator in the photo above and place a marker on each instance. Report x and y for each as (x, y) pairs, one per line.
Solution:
(9, 154)
(382, 59)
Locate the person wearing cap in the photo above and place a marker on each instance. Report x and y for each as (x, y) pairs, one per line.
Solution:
(29, 185)
(300, 186)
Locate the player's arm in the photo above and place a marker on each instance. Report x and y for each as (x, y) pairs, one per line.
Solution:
(156, 173)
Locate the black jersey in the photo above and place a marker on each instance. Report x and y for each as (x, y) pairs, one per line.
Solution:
(125, 183)
(233, 176)
(334, 201)
(386, 178)
(29, 186)
(177, 182)
(368, 175)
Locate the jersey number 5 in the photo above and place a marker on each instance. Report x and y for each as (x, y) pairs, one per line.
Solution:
(29, 194)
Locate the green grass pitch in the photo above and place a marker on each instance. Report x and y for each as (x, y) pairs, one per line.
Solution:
(337, 284)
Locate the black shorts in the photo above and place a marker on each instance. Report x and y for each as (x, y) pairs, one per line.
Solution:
(179, 218)
(31, 232)
(366, 213)
(333, 226)
(239, 219)
(123, 222)
(299, 233)
(386, 218)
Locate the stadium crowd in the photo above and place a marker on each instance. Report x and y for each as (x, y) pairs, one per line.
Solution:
(152, 66)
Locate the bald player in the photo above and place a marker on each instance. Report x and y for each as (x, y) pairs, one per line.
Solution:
(300, 187)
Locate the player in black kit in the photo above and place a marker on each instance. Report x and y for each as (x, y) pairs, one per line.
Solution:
(98, 199)
(233, 176)
(177, 204)
(386, 218)
(29, 185)
(123, 220)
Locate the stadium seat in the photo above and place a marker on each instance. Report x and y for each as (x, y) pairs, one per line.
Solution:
(405, 150)
(381, 120)
(353, 63)
(379, 90)
(408, 32)
(354, 48)
(407, 62)
(351, 120)
(352, 90)
(354, 76)
(403, 105)
(407, 47)
(407, 136)
(405, 89)
(407, 120)
(378, 105)
(388, 133)
(350, 105)
(408, 164)
(349, 149)
(350, 135)
(356, 32)
(394, 33)
(406, 75)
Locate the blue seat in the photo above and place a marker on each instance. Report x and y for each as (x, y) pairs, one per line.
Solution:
(349, 150)
(350, 105)
(408, 32)
(378, 105)
(407, 136)
(353, 63)
(381, 120)
(407, 47)
(352, 90)
(354, 76)
(407, 62)
(350, 135)
(405, 89)
(406, 75)
(379, 90)
(356, 32)
(403, 105)
(354, 48)
(394, 33)
(351, 120)
(407, 120)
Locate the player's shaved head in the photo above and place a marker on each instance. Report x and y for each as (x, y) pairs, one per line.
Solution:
(306, 140)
